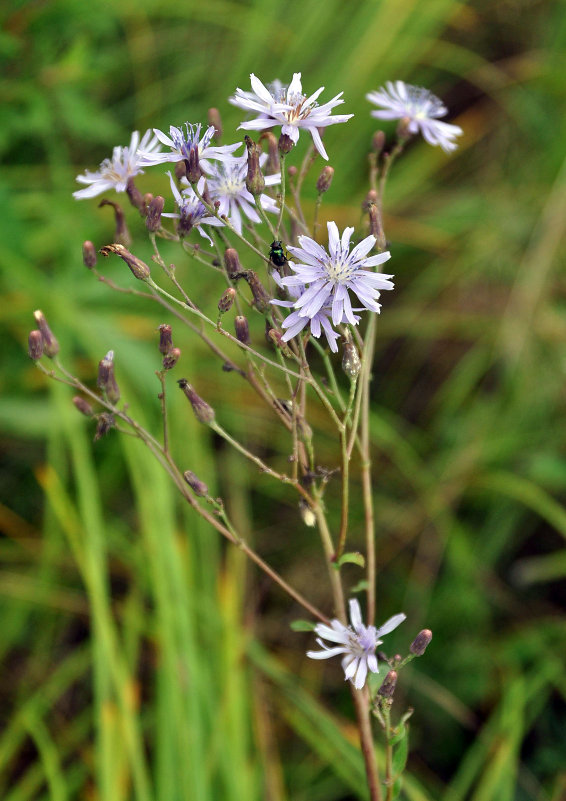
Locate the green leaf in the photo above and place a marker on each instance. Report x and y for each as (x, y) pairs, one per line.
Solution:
(361, 586)
(401, 753)
(302, 625)
(352, 558)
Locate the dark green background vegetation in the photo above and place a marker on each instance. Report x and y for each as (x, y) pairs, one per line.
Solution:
(140, 659)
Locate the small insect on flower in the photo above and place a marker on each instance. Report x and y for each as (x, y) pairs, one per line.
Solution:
(277, 254)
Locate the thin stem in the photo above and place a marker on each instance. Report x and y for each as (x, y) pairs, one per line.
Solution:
(366, 469)
(361, 703)
(163, 399)
(388, 755)
(281, 196)
(328, 547)
(345, 469)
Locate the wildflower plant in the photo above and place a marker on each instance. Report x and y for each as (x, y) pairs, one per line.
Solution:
(282, 273)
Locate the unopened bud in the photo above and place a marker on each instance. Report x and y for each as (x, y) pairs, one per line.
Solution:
(171, 358)
(388, 687)
(227, 300)
(165, 338)
(83, 406)
(276, 338)
(232, 262)
(261, 298)
(198, 487)
(104, 423)
(122, 235)
(106, 380)
(403, 131)
(242, 329)
(203, 412)
(325, 179)
(369, 200)
(215, 120)
(50, 344)
(375, 227)
(351, 362)
(421, 642)
(378, 142)
(35, 345)
(180, 170)
(89, 254)
(285, 144)
(139, 268)
(134, 194)
(272, 165)
(255, 182)
(292, 171)
(153, 219)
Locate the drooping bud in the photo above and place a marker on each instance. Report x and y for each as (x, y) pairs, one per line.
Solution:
(153, 219)
(165, 338)
(421, 642)
(139, 268)
(227, 300)
(50, 344)
(198, 487)
(255, 182)
(106, 380)
(351, 362)
(389, 683)
(105, 422)
(203, 412)
(232, 262)
(134, 194)
(325, 179)
(242, 329)
(35, 345)
(378, 142)
(83, 406)
(122, 234)
(180, 170)
(285, 144)
(215, 119)
(272, 165)
(89, 254)
(171, 358)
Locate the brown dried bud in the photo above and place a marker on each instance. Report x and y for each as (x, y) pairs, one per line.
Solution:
(227, 300)
(421, 642)
(122, 234)
(215, 119)
(375, 226)
(50, 344)
(203, 412)
(106, 380)
(351, 362)
(180, 170)
(35, 345)
(198, 487)
(134, 194)
(170, 359)
(378, 142)
(232, 262)
(261, 298)
(285, 144)
(83, 406)
(153, 219)
(255, 182)
(165, 339)
(105, 422)
(272, 164)
(388, 687)
(242, 329)
(89, 254)
(139, 268)
(325, 179)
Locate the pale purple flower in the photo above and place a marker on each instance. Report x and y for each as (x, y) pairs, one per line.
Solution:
(289, 108)
(420, 107)
(192, 211)
(226, 183)
(180, 143)
(331, 275)
(357, 642)
(115, 173)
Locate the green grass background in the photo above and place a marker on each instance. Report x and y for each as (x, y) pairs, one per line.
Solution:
(141, 660)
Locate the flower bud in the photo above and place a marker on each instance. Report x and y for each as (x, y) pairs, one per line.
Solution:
(106, 380)
(215, 119)
(153, 219)
(403, 131)
(122, 234)
(369, 200)
(227, 300)
(89, 254)
(292, 171)
(232, 262)
(35, 345)
(139, 268)
(378, 142)
(134, 194)
(83, 406)
(285, 144)
(104, 423)
(50, 344)
(325, 179)
(388, 687)
(171, 358)
(351, 362)
(261, 298)
(272, 165)
(203, 412)
(242, 329)
(276, 338)
(180, 170)
(165, 339)
(255, 182)
(421, 642)
(198, 487)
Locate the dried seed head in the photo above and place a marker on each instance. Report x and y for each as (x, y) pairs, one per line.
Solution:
(153, 219)
(105, 422)
(227, 300)
(83, 406)
(198, 487)
(106, 381)
(232, 262)
(242, 329)
(285, 144)
(215, 119)
(139, 268)
(351, 363)
(255, 182)
(134, 194)
(325, 179)
(378, 142)
(171, 358)
(122, 234)
(203, 412)
(421, 642)
(165, 339)
(50, 344)
(89, 254)
(388, 687)
(35, 345)
(272, 165)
